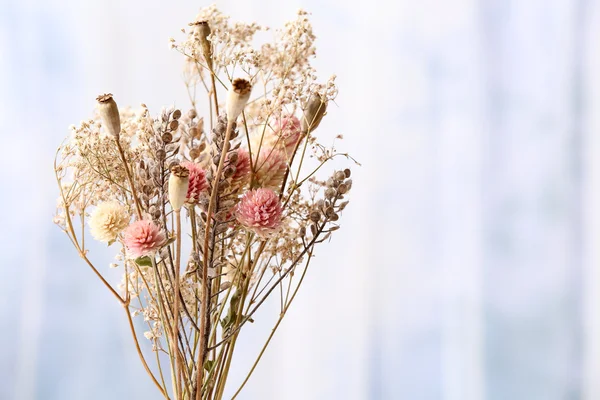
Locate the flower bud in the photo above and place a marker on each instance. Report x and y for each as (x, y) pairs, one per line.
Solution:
(109, 113)
(238, 96)
(313, 113)
(179, 181)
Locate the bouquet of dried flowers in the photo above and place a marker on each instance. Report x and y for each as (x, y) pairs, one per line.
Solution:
(240, 195)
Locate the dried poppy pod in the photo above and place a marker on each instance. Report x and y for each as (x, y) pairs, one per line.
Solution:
(313, 113)
(202, 29)
(179, 181)
(237, 97)
(109, 113)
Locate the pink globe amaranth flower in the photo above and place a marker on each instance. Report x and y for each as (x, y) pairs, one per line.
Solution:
(241, 177)
(143, 238)
(198, 182)
(270, 168)
(260, 211)
(288, 131)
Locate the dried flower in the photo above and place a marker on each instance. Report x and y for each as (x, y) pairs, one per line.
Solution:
(197, 182)
(270, 168)
(202, 30)
(314, 112)
(108, 220)
(143, 238)
(178, 186)
(287, 130)
(260, 211)
(109, 113)
(237, 97)
(241, 176)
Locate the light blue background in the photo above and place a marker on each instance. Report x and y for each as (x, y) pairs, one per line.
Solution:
(467, 266)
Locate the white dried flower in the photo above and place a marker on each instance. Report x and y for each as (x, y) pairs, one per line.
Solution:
(109, 112)
(237, 97)
(108, 220)
(178, 186)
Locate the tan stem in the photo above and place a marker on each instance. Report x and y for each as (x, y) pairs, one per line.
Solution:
(176, 267)
(139, 351)
(203, 312)
(130, 179)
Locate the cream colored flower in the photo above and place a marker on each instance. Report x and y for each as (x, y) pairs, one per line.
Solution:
(108, 220)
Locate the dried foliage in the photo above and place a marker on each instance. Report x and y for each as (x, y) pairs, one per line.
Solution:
(252, 206)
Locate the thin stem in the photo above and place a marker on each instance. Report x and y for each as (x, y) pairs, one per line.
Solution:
(264, 348)
(130, 179)
(139, 351)
(211, 207)
(177, 290)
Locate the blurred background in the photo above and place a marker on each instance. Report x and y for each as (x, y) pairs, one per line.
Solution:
(468, 266)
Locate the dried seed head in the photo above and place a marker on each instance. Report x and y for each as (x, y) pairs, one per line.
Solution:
(329, 212)
(192, 114)
(167, 137)
(109, 113)
(160, 154)
(179, 181)
(302, 231)
(195, 132)
(194, 153)
(229, 172)
(343, 188)
(202, 29)
(330, 193)
(347, 172)
(233, 157)
(176, 114)
(315, 216)
(339, 175)
(314, 112)
(173, 125)
(238, 96)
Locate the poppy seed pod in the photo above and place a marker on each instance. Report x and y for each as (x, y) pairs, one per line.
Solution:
(313, 113)
(109, 113)
(237, 97)
(202, 29)
(179, 181)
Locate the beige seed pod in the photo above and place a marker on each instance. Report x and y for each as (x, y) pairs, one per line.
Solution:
(237, 97)
(313, 113)
(179, 181)
(109, 113)
(202, 30)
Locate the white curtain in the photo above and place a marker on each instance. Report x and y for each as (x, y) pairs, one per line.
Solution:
(468, 265)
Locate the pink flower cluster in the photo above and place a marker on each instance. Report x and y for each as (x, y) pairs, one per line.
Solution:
(270, 168)
(198, 182)
(260, 211)
(143, 238)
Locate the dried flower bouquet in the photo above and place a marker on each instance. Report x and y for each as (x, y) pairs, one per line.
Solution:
(245, 189)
